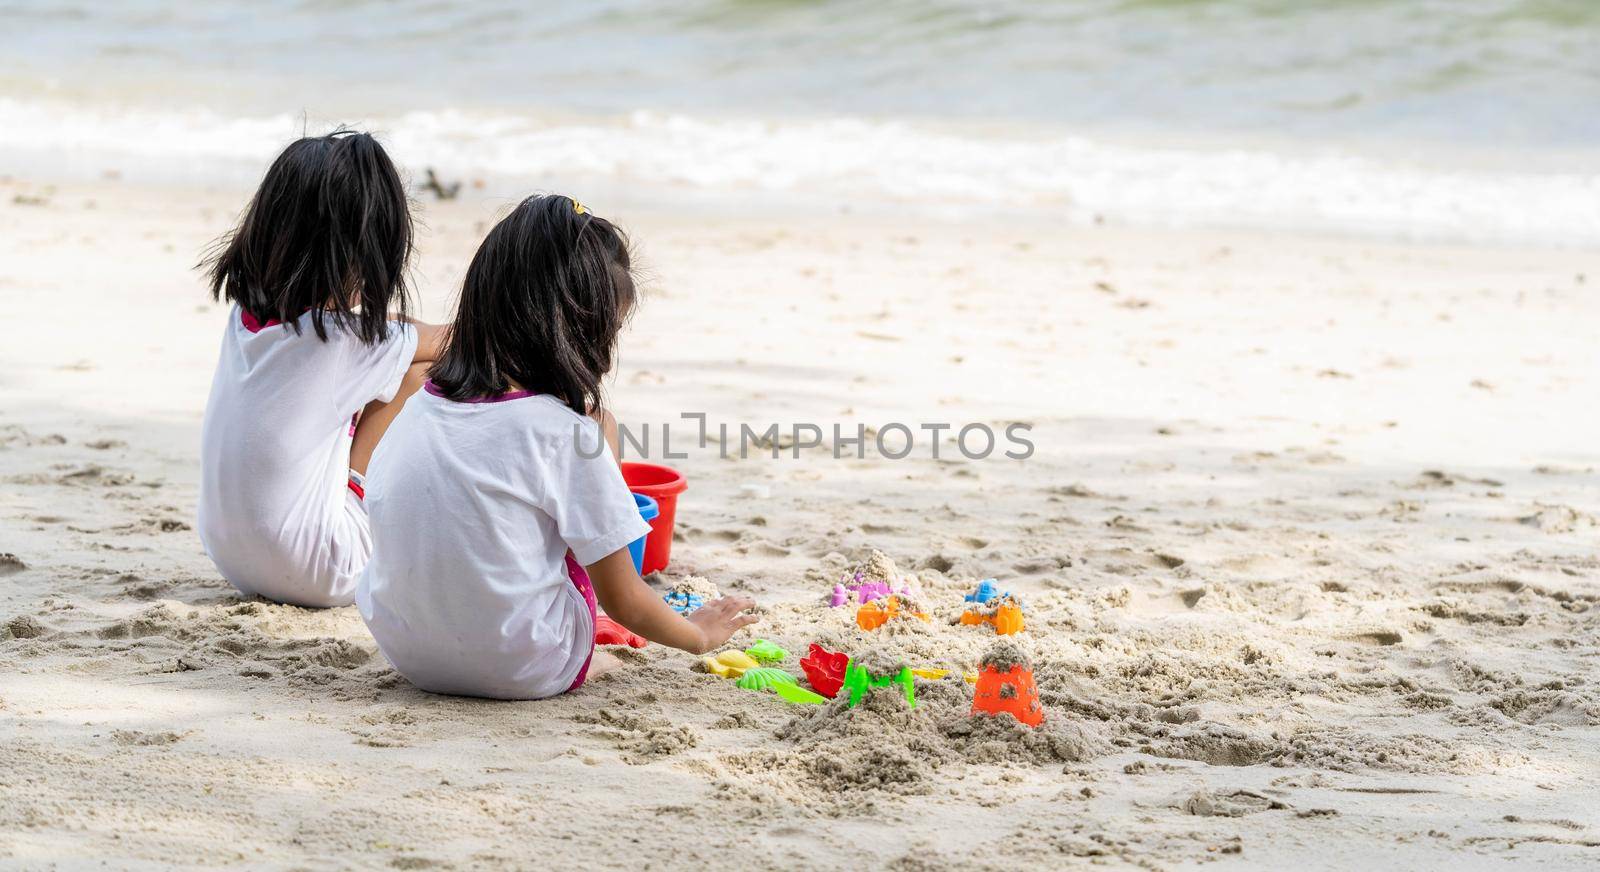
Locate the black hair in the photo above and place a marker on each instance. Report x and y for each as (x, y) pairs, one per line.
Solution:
(541, 306)
(328, 230)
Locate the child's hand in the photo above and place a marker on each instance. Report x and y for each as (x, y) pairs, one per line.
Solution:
(631, 603)
(719, 619)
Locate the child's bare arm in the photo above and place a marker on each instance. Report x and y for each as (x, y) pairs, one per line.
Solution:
(631, 603)
(430, 341)
(608, 428)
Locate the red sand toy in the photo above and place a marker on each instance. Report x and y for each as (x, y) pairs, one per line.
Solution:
(609, 632)
(825, 669)
(871, 615)
(662, 484)
(1012, 691)
(1006, 617)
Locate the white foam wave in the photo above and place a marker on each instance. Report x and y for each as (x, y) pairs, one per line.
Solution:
(852, 159)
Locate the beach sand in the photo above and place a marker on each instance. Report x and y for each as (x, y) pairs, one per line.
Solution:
(1307, 543)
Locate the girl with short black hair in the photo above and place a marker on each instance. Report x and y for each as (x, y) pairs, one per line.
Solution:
(318, 355)
(496, 522)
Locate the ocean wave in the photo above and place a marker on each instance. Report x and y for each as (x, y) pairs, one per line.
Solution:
(901, 162)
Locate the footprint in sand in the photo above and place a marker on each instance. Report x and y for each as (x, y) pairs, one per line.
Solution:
(1377, 637)
(23, 627)
(1043, 564)
(938, 563)
(1558, 519)
(386, 726)
(141, 738)
(1236, 803)
(764, 549)
(135, 587)
(94, 475)
(644, 738)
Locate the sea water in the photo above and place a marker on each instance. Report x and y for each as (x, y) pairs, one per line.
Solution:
(1453, 120)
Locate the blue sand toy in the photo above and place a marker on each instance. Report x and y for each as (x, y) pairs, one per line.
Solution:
(684, 603)
(987, 590)
(648, 511)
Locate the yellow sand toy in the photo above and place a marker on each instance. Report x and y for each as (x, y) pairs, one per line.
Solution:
(729, 664)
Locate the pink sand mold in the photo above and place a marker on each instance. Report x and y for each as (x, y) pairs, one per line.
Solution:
(865, 591)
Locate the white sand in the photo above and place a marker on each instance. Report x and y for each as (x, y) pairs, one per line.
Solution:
(1308, 546)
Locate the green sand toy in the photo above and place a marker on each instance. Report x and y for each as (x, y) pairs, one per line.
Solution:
(858, 682)
(764, 678)
(766, 652)
(797, 694)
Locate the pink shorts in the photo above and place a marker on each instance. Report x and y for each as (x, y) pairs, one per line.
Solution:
(580, 580)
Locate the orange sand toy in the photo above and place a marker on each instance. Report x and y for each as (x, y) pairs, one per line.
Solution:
(871, 616)
(1011, 691)
(1007, 618)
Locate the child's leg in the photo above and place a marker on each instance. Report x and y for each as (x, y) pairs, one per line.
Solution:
(601, 663)
(376, 417)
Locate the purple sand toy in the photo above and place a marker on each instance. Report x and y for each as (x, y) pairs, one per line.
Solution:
(871, 590)
(863, 590)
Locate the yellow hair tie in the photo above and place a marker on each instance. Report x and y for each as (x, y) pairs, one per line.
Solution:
(579, 207)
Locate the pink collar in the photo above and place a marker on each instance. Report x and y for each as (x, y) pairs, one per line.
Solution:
(432, 388)
(250, 323)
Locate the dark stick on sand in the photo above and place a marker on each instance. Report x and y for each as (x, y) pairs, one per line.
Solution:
(439, 189)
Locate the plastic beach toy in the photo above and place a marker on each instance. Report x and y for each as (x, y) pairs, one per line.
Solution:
(864, 591)
(648, 511)
(662, 484)
(1006, 617)
(824, 669)
(764, 678)
(766, 652)
(684, 603)
(987, 590)
(858, 682)
(930, 674)
(609, 632)
(1012, 691)
(871, 616)
(729, 664)
(797, 694)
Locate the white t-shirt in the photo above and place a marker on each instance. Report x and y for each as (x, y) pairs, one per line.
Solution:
(276, 513)
(474, 506)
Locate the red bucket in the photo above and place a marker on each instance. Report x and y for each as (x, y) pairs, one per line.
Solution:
(662, 484)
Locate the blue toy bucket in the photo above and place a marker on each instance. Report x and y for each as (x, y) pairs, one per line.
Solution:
(648, 511)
